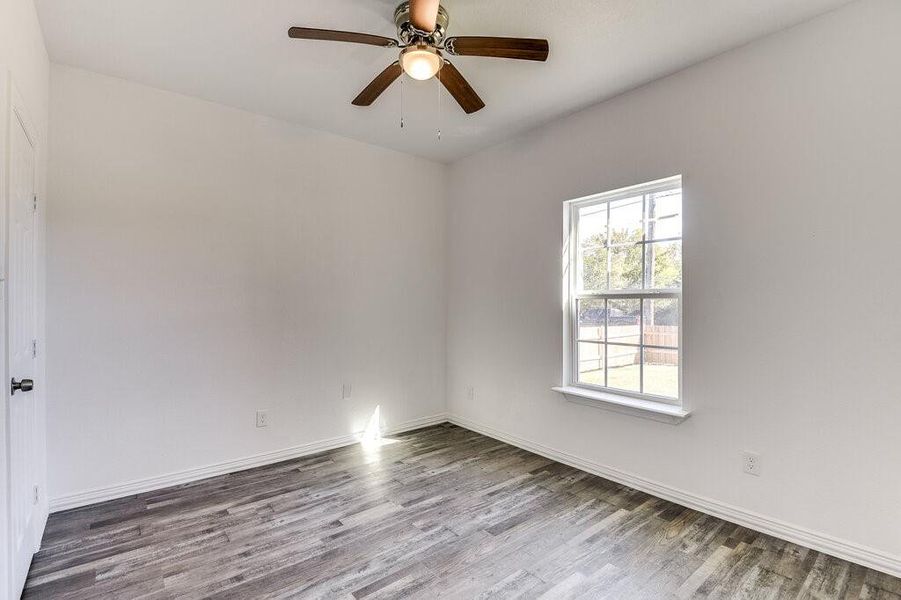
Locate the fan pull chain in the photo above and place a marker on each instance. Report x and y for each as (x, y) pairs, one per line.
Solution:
(402, 78)
(439, 104)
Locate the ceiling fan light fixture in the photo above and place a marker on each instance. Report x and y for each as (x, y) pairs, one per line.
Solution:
(421, 62)
(422, 38)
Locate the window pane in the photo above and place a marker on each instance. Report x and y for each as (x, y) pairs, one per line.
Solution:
(664, 261)
(591, 320)
(627, 220)
(665, 215)
(592, 246)
(624, 321)
(661, 372)
(623, 370)
(593, 225)
(594, 269)
(625, 267)
(591, 363)
(661, 322)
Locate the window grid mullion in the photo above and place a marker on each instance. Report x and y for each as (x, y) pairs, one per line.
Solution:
(607, 244)
(606, 332)
(662, 294)
(641, 345)
(644, 238)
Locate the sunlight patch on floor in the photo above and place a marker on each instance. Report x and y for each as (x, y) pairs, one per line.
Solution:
(372, 438)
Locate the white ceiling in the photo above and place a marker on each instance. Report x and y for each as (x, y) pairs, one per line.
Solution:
(237, 52)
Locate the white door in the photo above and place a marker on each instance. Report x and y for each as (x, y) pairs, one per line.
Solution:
(23, 433)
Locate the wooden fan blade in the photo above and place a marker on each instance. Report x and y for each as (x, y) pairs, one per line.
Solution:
(424, 14)
(460, 89)
(330, 35)
(498, 47)
(378, 85)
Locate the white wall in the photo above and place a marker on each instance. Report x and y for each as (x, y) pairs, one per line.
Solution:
(790, 150)
(22, 52)
(205, 263)
(24, 66)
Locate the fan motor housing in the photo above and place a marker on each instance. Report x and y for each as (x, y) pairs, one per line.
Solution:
(410, 35)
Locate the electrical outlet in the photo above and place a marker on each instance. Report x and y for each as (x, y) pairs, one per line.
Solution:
(262, 418)
(347, 391)
(751, 463)
(470, 392)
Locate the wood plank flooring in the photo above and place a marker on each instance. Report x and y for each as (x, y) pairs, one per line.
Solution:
(441, 512)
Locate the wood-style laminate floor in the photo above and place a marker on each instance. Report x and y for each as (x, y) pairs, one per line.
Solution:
(442, 512)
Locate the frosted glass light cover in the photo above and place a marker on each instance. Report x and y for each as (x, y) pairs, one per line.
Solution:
(420, 63)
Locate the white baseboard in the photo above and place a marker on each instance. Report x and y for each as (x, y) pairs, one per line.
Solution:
(868, 557)
(149, 484)
(846, 550)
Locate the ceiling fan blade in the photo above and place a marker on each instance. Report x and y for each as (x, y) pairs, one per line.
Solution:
(378, 85)
(424, 14)
(330, 35)
(460, 89)
(498, 47)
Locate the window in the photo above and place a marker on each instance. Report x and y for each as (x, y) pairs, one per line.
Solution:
(623, 328)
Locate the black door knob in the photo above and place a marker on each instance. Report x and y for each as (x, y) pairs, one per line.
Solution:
(26, 385)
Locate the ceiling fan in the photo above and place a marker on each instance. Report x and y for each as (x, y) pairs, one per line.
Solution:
(422, 27)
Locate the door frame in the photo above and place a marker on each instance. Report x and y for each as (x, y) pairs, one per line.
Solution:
(14, 112)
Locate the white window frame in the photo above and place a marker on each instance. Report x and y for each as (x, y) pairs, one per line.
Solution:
(572, 295)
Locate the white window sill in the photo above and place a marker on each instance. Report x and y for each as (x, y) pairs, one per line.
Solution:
(659, 411)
